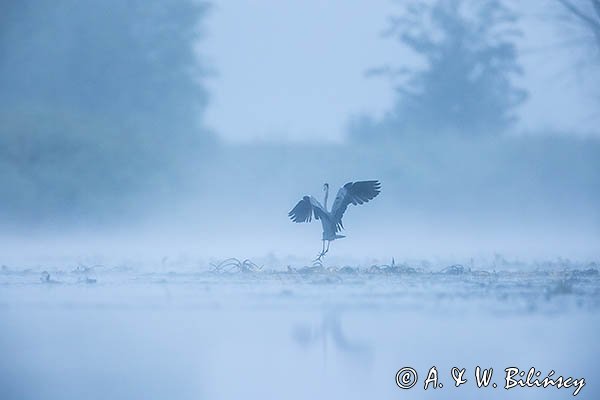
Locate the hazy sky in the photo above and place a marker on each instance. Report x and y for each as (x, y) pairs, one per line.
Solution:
(296, 70)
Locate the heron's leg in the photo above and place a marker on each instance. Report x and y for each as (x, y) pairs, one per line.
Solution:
(325, 250)
(321, 254)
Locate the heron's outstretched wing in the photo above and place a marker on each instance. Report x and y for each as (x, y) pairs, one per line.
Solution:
(352, 193)
(304, 210)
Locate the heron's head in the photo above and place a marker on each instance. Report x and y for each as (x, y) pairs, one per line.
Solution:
(325, 187)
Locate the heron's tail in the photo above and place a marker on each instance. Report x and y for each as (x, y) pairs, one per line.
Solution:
(339, 236)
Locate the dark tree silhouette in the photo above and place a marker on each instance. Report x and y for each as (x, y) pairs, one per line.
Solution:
(588, 13)
(580, 22)
(100, 100)
(466, 85)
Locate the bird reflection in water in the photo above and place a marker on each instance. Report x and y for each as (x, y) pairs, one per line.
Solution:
(330, 331)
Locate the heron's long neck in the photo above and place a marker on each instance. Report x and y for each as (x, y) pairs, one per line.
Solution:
(326, 196)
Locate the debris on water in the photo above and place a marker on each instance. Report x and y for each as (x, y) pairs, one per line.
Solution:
(235, 265)
(84, 269)
(348, 270)
(585, 272)
(45, 278)
(317, 266)
(88, 280)
(392, 268)
(122, 268)
(308, 270)
(386, 284)
(456, 269)
(482, 273)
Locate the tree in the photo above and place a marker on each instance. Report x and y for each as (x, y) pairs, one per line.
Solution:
(466, 84)
(580, 24)
(588, 13)
(100, 101)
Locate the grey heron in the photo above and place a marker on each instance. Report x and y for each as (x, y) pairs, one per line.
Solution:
(351, 193)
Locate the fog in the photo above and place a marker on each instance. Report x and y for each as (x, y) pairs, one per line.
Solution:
(144, 142)
(103, 129)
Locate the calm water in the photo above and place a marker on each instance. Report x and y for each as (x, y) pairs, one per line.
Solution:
(196, 331)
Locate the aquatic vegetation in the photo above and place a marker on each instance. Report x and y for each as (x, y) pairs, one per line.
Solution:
(235, 265)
